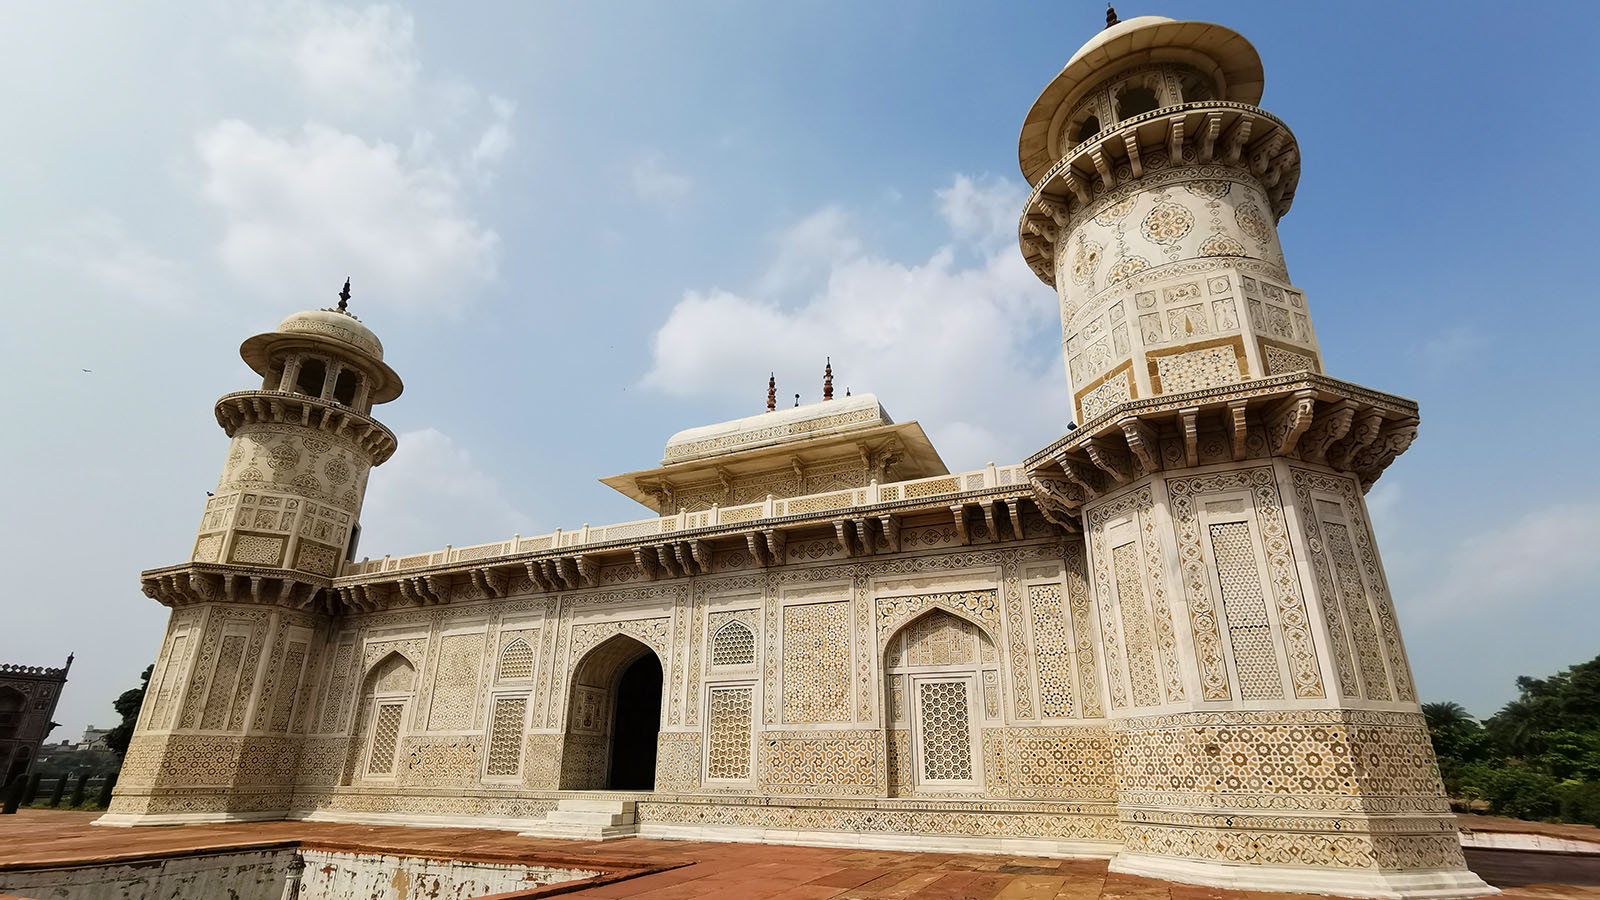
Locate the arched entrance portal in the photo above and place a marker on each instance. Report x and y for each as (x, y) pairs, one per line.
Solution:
(613, 719)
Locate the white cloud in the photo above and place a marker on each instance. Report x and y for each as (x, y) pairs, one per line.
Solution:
(431, 494)
(1512, 567)
(348, 58)
(982, 210)
(807, 249)
(496, 139)
(653, 182)
(98, 247)
(304, 211)
(951, 345)
(378, 184)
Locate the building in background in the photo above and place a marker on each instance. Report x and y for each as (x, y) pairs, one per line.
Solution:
(28, 697)
(94, 739)
(1166, 638)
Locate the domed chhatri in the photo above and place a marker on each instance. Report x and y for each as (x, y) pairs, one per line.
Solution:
(1213, 62)
(325, 334)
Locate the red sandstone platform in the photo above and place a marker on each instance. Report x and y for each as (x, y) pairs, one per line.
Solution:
(709, 871)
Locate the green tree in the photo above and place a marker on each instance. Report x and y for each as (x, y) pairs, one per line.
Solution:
(1538, 757)
(1458, 740)
(127, 705)
(1441, 716)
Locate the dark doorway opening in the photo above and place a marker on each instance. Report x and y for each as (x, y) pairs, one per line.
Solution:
(638, 722)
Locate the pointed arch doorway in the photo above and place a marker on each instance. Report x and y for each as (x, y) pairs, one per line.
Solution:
(613, 719)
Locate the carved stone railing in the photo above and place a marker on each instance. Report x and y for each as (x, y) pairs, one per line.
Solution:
(282, 407)
(643, 529)
(1213, 132)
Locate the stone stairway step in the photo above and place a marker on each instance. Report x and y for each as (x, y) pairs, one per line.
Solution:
(596, 804)
(585, 817)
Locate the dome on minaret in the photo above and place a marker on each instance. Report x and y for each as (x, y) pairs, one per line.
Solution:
(334, 331)
(331, 323)
(1218, 52)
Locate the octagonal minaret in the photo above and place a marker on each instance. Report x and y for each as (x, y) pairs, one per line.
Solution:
(255, 610)
(1266, 723)
(302, 446)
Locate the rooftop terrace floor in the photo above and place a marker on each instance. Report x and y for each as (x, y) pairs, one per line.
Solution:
(718, 871)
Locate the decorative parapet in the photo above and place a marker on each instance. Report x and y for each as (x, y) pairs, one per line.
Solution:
(982, 504)
(46, 672)
(281, 407)
(715, 517)
(1213, 132)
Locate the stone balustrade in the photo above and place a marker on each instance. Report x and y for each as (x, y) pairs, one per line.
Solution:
(990, 476)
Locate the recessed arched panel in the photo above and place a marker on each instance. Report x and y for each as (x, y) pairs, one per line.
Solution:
(380, 717)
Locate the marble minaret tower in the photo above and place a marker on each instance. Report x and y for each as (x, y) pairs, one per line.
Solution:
(220, 733)
(1266, 729)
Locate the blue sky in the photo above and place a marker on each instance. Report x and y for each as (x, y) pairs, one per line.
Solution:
(579, 228)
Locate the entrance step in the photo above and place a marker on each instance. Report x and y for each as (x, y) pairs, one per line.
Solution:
(587, 819)
(596, 804)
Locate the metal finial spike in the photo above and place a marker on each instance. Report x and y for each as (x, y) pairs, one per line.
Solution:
(827, 380)
(796, 399)
(1111, 15)
(344, 296)
(772, 392)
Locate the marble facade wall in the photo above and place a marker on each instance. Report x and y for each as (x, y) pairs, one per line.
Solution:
(1220, 638)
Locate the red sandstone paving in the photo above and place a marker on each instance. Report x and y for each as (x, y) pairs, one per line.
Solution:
(718, 871)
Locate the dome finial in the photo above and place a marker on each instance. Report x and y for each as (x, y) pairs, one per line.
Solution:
(827, 380)
(344, 296)
(1111, 15)
(772, 392)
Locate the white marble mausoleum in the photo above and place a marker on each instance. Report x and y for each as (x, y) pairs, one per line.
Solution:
(1166, 638)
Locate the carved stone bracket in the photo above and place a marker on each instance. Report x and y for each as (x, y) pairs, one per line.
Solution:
(1239, 429)
(758, 548)
(1330, 426)
(1014, 507)
(890, 526)
(959, 512)
(1290, 420)
(1364, 432)
(844, 531)
(1189, 421)
(988, 519)
(1142, 442)
(1395, 438)
(1111, 460)
(775, 544)
(644, 556)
